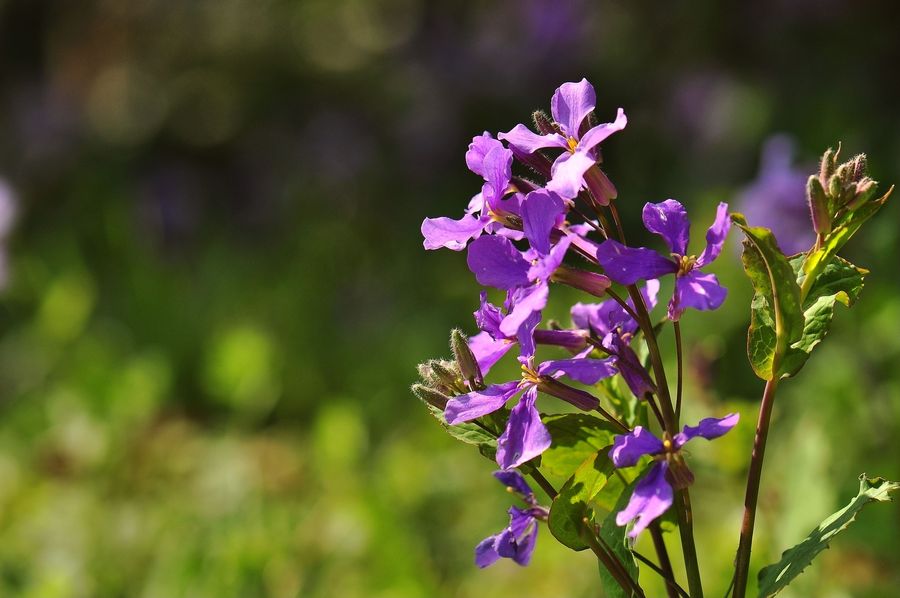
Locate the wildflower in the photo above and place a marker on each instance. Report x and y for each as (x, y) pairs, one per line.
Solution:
(570, 106)
(653, 494)
(693, 288)
(517, 541)
(525, 436)
(488, 158)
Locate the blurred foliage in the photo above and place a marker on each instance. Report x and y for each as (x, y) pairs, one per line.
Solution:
(217, 293)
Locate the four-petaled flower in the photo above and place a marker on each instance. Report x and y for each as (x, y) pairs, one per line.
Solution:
(653, 494)
(517, 541)
(693, 288)
(570, 106)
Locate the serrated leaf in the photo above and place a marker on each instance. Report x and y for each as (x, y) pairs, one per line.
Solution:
(571, 505)
(576, 436)
(614, 537)
(776, 320)
(774, 578)
(838, 282)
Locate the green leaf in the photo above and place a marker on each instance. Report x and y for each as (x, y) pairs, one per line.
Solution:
(776, 320)
(838, 282)
(576, 436)
(614, 536)
(468, 432)
(774, 578)
(571, 505)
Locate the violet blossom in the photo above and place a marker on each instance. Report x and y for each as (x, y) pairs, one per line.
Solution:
(693, 288)
(517, 541)
(654, 493)
(570, 106)
(525, 436)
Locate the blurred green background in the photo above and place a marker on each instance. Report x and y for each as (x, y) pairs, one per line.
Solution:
(215, 292)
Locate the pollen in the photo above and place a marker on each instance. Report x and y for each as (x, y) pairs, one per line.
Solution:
(573, 143)
(685, 264)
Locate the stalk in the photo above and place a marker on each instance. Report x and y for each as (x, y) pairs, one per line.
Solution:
(742, 560)
(665, 565)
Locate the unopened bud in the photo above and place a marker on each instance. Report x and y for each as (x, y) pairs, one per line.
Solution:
(865, 190)
(446, 372)
(584, 280)
(834, 188)
(433, 397)
(581, 399)
(828, 164)
(818, 206)
(543, 123)
(859, 167)
(600, 186)
(536, 161)
(465, 359)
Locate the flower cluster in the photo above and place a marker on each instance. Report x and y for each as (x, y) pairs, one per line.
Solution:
(526, 230)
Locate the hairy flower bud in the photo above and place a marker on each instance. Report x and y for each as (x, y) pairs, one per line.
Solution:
(465, 359)
(818, 206)
(433, 397)
(601, 188)
(447, 373)
(828, 164)
(543, 123)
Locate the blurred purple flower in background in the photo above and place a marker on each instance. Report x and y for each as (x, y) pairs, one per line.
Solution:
(8, 209)
(777, 198)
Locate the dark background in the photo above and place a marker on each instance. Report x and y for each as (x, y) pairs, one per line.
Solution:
(215, 291)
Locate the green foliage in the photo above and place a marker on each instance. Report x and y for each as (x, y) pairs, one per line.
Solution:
(838, 282)
(576, 436)
(572, 504)
(775, 578)
(468, 432)
(613, 535)
(776, 320)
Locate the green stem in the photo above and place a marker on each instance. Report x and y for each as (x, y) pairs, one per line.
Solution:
(612, 564)
(680, 359)
(686, 527)
(742, 560)
(665, 565)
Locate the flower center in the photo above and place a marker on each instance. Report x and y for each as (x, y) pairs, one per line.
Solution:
(685, 263)
(573, 143)
(530, 375)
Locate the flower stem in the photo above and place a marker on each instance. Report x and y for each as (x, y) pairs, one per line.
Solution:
(680, 359)
(742, 560)
(612, 563)
(665, 565)
(686, 527)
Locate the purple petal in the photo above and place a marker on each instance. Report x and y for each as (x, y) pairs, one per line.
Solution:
(715, 236)
(496, 262)
(497, 173)
(525, 436)
(568, 174)
(571, 103)
(629, 448)
(628, 364)
(650, 293)
(586, 371)
(627, 265)
(513, 479)
(709, 428)
(526, 546)
(480, 402)
(651, 498)
(541, 212)
(669, 220)
(486, 551)
(547, 265)
(478, 149)
(525, 336)
(527, 141)
(533, 300)
(488, 350)
(452, 234)
(698, 290)
(488, 316)
(597, 135)
(601, 318)
(574, 340)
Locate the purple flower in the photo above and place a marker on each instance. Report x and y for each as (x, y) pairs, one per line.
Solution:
(693, 288)
(486, 157)
(525, 436)
(517, 541)
(491, 343)
(570, 106)
(777, 198)
(653, 494)
(610, 322)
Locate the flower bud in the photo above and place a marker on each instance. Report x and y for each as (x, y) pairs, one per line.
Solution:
(465, 359)
(433, 397)
(447, 373)
(584, 280)
(818, 206)
(600, 186)
(543, 123)
(828, 164)
(859, 167)
(581, 399)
